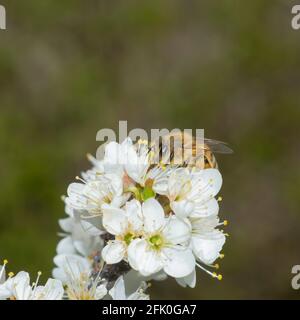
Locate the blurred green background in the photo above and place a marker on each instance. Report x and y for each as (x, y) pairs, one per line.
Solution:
(69, 68)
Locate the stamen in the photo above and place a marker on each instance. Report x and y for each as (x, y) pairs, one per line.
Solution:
(34, 285)
(221, 255)
(80, 179)
(224, 223)
(213, 274)
(91, 216)
(5, 262)
(218, 276)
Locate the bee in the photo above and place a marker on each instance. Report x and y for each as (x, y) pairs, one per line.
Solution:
(182, 145)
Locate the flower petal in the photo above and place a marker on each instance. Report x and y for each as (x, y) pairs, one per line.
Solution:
(59, 274)
(143, 259)
(112, 161)
(114, 220)
(134, 214)
(179, 183)
(117, 292)
(22, 288)
(189, 280)
(182, 208)
(66, 224)
(177, 231)
(65, 246)
(4, 292)
(153, 214)
(114, 252)
(179, 262)
(101, 291)
(90, 229)
(137, 164)
(71, 264)
(53, 290)
(206, 209)
(206, 183)
(114, 182)
(208, 246)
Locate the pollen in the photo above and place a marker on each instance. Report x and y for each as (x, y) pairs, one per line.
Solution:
(222, 255)
(225, 222)
(219, 199)
(11, 274)
(5, 262)
(220, 277)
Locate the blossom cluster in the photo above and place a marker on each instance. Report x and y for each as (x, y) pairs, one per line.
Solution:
(129, 221)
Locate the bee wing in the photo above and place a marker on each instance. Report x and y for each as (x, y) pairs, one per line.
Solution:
(218, 146)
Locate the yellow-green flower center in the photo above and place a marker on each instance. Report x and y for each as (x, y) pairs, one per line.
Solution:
(128, 237)
(156, 241)
(143, 193)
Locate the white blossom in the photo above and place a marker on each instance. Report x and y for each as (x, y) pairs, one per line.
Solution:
(192, 192)
(161, 220)
(79, 237)
(75, 272)
(118, 291)
(125, 225)
(163, 244)
(18, 288)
